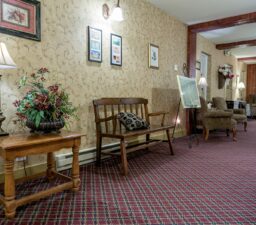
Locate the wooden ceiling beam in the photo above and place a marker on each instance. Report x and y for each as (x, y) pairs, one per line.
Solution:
(223, 23)
(247, 58)
(236, 44)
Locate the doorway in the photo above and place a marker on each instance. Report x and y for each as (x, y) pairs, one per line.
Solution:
(205, 68)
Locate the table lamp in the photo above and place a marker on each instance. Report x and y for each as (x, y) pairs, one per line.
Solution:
(6, 62)
(202, 83)
(240, 87)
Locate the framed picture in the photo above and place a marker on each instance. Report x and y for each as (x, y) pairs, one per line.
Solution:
(198, 65)
(21, 18)
(94, 45)
(116, 50)
(153, 56)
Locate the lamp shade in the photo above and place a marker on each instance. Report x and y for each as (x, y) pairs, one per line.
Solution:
(241, 85)
(202, 82)
(6, 61)
(117, 14)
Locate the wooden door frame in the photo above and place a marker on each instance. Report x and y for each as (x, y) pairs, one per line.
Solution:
(208, 26)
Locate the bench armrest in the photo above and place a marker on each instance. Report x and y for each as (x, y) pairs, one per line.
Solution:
(162, 113)
(105, 120)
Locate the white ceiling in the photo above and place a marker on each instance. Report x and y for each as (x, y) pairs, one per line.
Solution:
(235, 34)
(197, 11)
(244, 52)
(232, 34)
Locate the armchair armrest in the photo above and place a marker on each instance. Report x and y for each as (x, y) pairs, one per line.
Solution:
(162, 113)
(239, 111)
(229, 110)
(218, 114)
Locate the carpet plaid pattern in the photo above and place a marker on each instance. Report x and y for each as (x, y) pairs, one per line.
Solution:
(213, 183)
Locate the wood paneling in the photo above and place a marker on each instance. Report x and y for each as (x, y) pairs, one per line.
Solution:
(191, 54)
(251, 80)
(236, 44)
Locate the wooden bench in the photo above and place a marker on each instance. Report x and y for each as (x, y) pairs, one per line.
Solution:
(108, 126)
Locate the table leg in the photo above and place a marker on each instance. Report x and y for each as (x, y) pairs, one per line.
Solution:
(9, 189)
(75, 168)
(50, 166)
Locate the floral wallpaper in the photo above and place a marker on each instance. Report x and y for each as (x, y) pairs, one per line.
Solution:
(63, 50)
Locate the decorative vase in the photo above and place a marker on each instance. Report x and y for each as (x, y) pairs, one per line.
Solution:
(222, 80)
(46, 126)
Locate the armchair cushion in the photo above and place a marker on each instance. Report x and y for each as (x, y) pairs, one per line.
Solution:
(239, 111)
(218, 113)
(240, 117)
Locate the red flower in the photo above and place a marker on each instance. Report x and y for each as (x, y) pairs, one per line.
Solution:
(21, 116)
(41, 102)
(54, 88)
(16, 103)
(43, 70)
(58, 102)
(27, 106)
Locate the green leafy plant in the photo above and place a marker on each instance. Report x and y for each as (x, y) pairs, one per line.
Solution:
(43, 104)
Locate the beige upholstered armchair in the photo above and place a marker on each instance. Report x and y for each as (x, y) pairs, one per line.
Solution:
(252, 102)
(216, 119)
(238, 114)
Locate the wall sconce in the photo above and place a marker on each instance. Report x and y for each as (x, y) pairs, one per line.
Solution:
(6, 62)
(117, 13)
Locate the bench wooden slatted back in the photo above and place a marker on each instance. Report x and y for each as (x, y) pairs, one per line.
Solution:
(106, 110)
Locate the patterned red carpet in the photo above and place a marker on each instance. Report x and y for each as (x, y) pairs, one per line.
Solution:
(213, 183)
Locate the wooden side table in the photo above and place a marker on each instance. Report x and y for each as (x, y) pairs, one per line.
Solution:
(14, 146)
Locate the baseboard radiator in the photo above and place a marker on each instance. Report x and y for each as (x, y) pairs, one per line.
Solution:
(64, 161)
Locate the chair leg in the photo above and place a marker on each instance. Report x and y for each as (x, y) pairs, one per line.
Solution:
(169, 142)
(147, 139)
(234, 134)
(227, 132)
(98, 150)
(245, 126)
(123, 158)
(206, 134)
